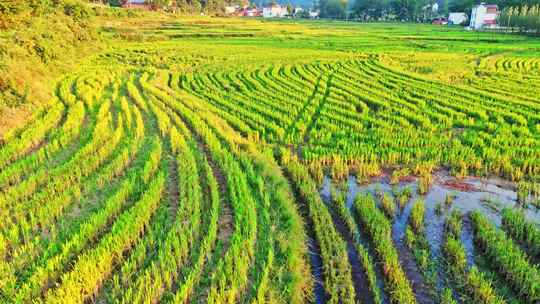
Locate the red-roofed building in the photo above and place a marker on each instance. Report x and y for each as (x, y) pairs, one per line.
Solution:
(252, 12)
(274, 11)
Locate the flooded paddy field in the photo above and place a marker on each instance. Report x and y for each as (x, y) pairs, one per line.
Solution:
(447, 195)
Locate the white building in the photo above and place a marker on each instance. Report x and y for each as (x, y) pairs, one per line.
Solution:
(252, 12)
(435, 8)
(483, 16)
(314, 14)
(229, 10)
(274, 11)
(457, 18)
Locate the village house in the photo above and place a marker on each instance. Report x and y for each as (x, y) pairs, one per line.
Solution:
(231, 10)
(314, 14)
(243, 11)
(297, 11)
(137, 4)
(457, 18)
(484, 16)
(253, 12)
(275, 11)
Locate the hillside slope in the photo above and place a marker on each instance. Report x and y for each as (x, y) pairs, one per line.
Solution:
(38, 42)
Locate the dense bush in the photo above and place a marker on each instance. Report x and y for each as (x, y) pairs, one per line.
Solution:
(38, 40)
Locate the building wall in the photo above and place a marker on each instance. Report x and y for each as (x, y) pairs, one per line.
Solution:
(139, 4)
(457, 18)
(483, 16)
(276, 11)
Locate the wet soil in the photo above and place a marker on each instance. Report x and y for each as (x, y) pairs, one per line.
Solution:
(360, 281)
(316, 271)
(314, 249)
(487, 195)
(420, 288)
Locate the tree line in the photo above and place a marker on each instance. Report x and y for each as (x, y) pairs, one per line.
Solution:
(525, 19)
(182, 6)
(407, 10)
(13, 10)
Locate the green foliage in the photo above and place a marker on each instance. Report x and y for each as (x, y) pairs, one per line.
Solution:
(378, 228)
(417, 242)
(509, 258)
(417, 216)
(36, 37)
(420, 10)
(470, 282)
(77, 10)
(388, 205)
(333, 8)
(339, 205)
(337, 271)
(522, 230)
(525, 18)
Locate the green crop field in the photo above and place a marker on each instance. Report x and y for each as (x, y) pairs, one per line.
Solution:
(228, 160)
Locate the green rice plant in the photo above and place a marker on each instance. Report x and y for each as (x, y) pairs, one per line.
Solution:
(398, 174)
(470, 282)
(403, 197)
(123, 234)
(424, 183)
(57, 257)
(454, 223)
(388, 205)
(31, 136)
(338, 203)
(417, 242)
(378, 228)
(449, 199)
(337, 271)
(510, 260)
(447, 297)
(417, 216)
(92, 212)
(57, 142)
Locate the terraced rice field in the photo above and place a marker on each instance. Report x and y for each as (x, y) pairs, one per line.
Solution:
(259, 169)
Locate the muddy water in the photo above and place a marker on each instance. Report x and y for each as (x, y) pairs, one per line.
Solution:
(489, 196)
(316, 271)
(362, 240)
(360, 282)
(421, 290)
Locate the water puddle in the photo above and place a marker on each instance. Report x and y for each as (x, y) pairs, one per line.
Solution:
(489, 196)
(316, 271)
(359, 277)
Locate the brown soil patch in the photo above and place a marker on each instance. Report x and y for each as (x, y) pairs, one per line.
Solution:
(460, 186)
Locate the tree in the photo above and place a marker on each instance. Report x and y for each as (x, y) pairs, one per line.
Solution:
(290, 9)
(443, 8)
(115, 2)
(405, 9)
(461, 5)
(525, 18)
(159, 3)
(333, 8)
(371, 9)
